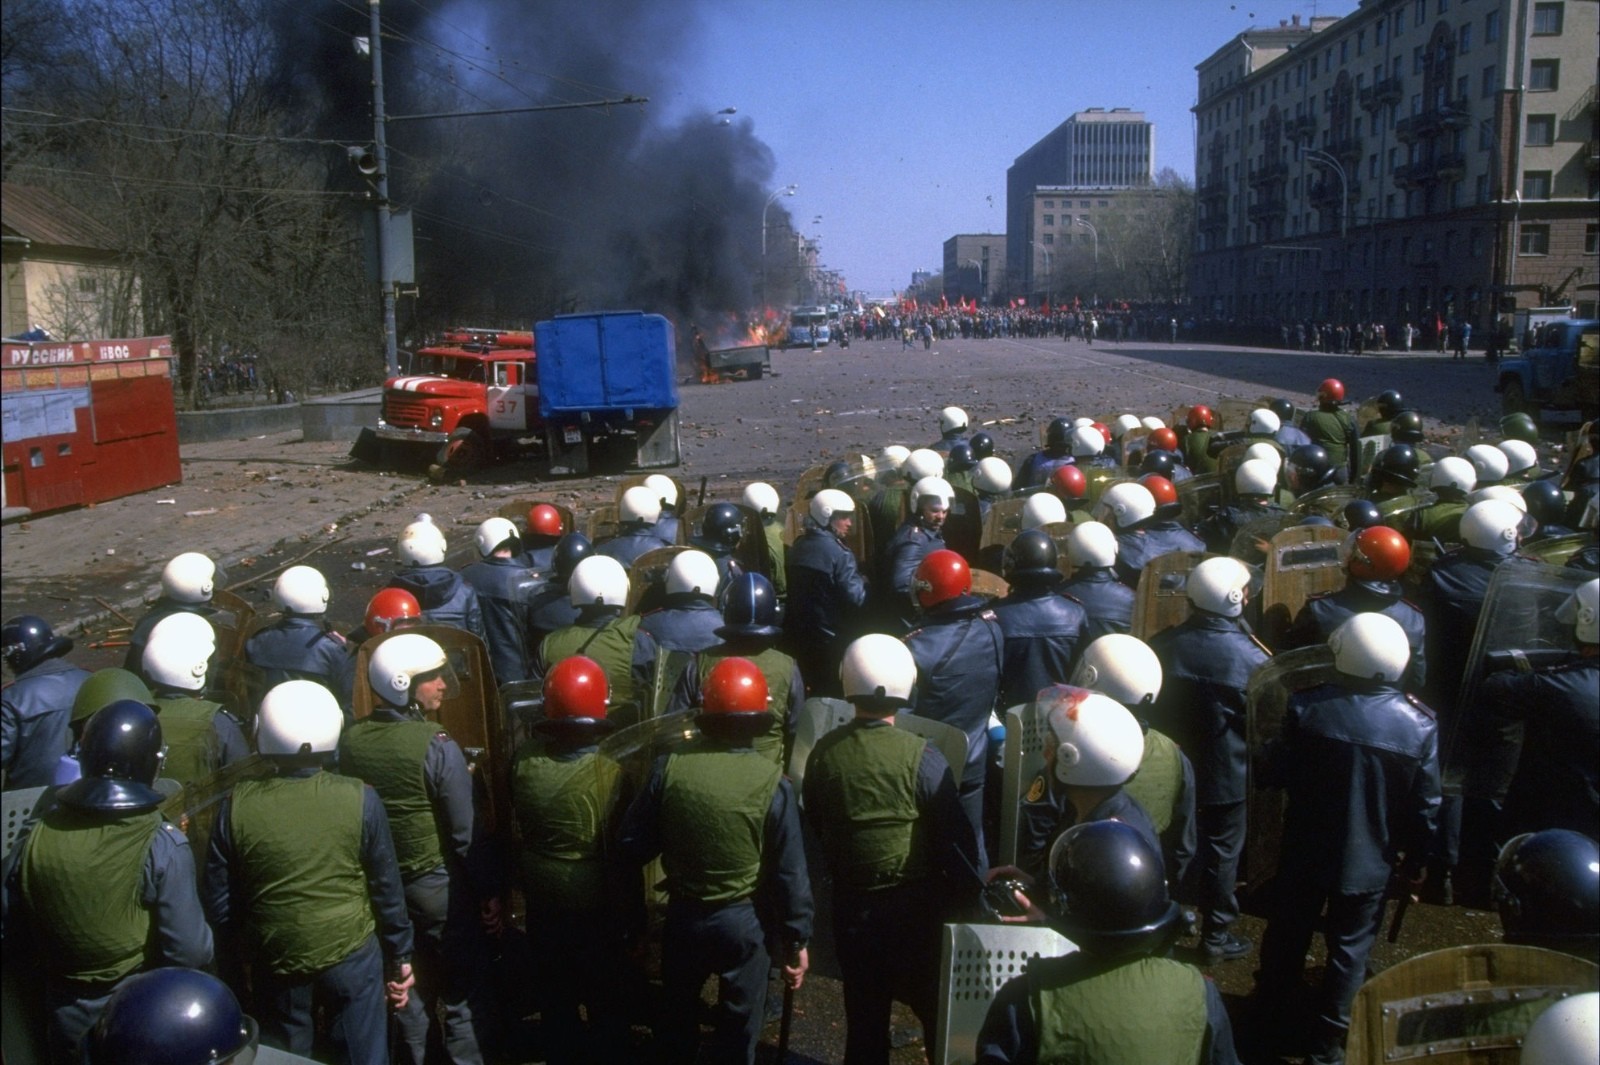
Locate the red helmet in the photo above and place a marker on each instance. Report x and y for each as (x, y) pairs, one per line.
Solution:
(735, 686)
(1200, 417)
(1161, 488)
(544, 520)
(1068, 483)
(1164, 439)
(576, 691)
(1331, 391)
(390, 609)
(941, 576)
(1103, 429)
(1378, 553)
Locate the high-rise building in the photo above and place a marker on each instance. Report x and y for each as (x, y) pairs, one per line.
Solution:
(974, 267)
(1093, 149)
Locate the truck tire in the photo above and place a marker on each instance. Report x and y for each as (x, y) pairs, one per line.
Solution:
(1513, 400)
(754, 372)
(465, 451)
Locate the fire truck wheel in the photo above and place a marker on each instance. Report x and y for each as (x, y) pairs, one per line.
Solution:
(467, 449)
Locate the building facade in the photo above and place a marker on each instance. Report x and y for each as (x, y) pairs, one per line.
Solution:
(1417, 161)
(61, 273)
(974, 267)
(1093, 149)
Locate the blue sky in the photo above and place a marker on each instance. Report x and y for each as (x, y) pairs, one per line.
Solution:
(898, 119)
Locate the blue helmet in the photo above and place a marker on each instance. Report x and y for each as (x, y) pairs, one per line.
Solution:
(120, 755)
(749, 607)
(171, 1017)
(27, 640)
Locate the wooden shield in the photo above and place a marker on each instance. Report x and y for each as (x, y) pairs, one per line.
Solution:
(1163, 598)
(1302, 561)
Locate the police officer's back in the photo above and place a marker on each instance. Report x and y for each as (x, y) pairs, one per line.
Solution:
(505, 589)
(201, 736)
(299, 645)
(1376, 559)
(826, 591)
(599, 591)
(446, 599)
(550, 607)
(188, 581)
(1042, 628)
(637, 514)
(688, 618)
(1107, 602)
(37, 705)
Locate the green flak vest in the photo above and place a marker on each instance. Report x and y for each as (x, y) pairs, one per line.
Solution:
(1440, 521)
(714, 806)
(1330, 429)
(773, 531)
(193, 751)
(1194, 452)
(1158, 781)
(563, 811)
(778, 669)
(1135, 1013)
(298, 873)
(886, 511)
(82, 881)
(389, 756)
(611, 646)
(861, 784)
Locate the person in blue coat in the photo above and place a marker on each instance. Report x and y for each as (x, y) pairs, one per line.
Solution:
(300, 645)
(445, 598)
(1043, 629)
(36, 707)
(505, 590)
(1107, 601)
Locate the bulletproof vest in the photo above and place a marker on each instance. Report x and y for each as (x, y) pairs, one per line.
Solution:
(1440, 521)
(1096, 1020)
(1158, 781)
(82, 881)
(193, 750)
(389, 755)
(562, 809)
(778, 669)
(775, 549)
(1333, 430)
(885, 511)
(861, 786)
(611, 645)
(713, 811)
(1194, 452)
(297, 847)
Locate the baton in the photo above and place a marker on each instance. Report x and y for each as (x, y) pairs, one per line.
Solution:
(788, 1009)
(1401, 906)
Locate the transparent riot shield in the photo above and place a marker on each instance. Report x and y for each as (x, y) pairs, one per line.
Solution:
(1328, 501)
(1366, 412)
(1198, 496)
(1557, 550)
(1061, 535)
(1470, 434)
(1271, 687)
(1100, 478)
(1129, 450)
(1003, 522)
(818, 716)
(1253, 540)
(946, 739)
(523, 703)
(1233, 413)
(963, 526)
(1368, 448)
(1397, 510)
(194, 806)
(1228, 465)
(1163, 599)
(636, 747)
(1300, 562)
(647, 578)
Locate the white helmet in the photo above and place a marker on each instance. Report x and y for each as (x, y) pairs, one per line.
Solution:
(422, 544)
(1152, 423)
(179, 651)
(1520, 456)
(951, 419)
(1121, 666)
(1255, 477)
(1126, 504)
(1087, 442)
(1503, 493)
(1568, 1033)
(1582, 612)
(1042, 508)
(829, 504)
(1092, 544)
(299, 717)
(639, 504)
(496, 533)
(992, 475)
(878, 665)
(762, 498)
(923, 462)
(692, 571)
(664, 487)
(598, 580)
(1264, 452)
(1097, 742)
(1218, 585)
(1371, 647)
(189, 578)
(1490, 462)
(1263, 422)
(1453, 472)
(937, 487)
(301, 590)
(889, 461)
(1125, 423)
(1491, 525)
(1082, 420)
(399, 660)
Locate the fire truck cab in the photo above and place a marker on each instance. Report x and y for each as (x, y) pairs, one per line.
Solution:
(473, 394)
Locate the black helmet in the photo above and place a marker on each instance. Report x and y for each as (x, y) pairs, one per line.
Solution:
(960, 458)
(1059, 433)
(25, 641)
(174, 1016)
(1406, 427)
(1547, 886)
(982, 445)
(1398, 462)
(1318, 519)
(1309, 467)
(1110, 891)
(1390, 403)
(570, 550)
(1360, 514)
(120, 755)
(1157, 462)
(1547, 505)
(1283, 409)
(1519, 426)
(1031, 559)
(723, 524)
(836, 474)
(749, 607)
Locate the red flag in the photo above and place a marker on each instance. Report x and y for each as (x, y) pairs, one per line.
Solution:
(1046, 307)
(944, 303)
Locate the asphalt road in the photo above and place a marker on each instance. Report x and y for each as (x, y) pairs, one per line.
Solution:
(262, 504)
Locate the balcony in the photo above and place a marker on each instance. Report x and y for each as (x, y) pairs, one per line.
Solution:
(1456, 114)
(1213, 191)
(1381, 92)
(1265, 175)
(1346, 149)
(1298, 129)
(1416, 175)
(1326, 191)
(1268, 209)
(1451, 166)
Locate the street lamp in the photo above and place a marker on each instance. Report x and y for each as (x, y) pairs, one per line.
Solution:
(1046, 253)
(1317, 155)
(982, 289)
(787, 190)
(1095, 233)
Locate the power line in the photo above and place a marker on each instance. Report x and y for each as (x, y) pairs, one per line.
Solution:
(78, 120)
(115, 179)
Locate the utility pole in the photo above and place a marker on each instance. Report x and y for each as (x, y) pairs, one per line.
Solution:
(380, 155)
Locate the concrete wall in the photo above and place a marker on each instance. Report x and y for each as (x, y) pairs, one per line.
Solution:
(341, 417)
(204, 426)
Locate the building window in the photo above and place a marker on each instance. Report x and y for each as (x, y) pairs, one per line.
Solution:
(1416, 59)
(1490, 82)
(1378, 31)
(1444, 5)
(1483, 188)
(1591, 239)
(1049, 238)
(1419, 12)
(1534, 240)
(1475, 243)
(1547, 20)
(1536, 184)
(1049, 219)
(1491, 27)
(1083, 203)
(1050, 203)
(1453, 197)
(1372, 165)
(1463, 86)
(1544, 75)
(1105, 203)
(1344, 52)
(1465, 44)
(88, 284)
(1541, 131)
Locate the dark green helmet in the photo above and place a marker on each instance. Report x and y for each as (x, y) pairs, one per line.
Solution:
(1519, 426)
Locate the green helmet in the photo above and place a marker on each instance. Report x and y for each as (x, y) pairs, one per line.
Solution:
(1406, 427)
(105, 687)
(1519, 426)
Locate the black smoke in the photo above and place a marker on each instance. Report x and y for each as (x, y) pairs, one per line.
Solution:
(521, 216)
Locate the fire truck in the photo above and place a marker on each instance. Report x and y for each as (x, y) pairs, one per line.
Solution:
(592, 389)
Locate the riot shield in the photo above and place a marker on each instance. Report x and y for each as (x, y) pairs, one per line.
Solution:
(963, 526)
(988, 585)
(647, 577)
(751, 550)
(637, 480)
(516, 512)
(818, 716)
(1462, 1004)
(1100, 478)
(636, 747)
(1252, 542)
(1271, 685)
(1233, 413)
(1198, 495)
(1300, 562)
(523, 703)
(1003, 522)
(1131, 447)
(1328, 501)
(1163, 599)
(946, 739)
(601, 523)
(1423, 555)
(1367, 451)
(1366, 412)
(1061, 535)
(1228, 464)
(1470, 434)
(809, 484)
(1558, 549)
(1397, 510)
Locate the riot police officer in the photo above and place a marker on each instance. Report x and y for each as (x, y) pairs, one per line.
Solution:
(826, 592)
(104, 687)
(1145, 534)
(1069, 485)
(37, 705)
(446, 599)
(1334, 429)
(667, 521)
(599, 591)
(763, 499)
(1489, 463)
(100, 886)
(201, 735)
(1547, 506)
(1255, 482)
(1043, 630)
(1389, 404)
(1197, 440)
(1043, 508)
(1451, 480)
(952, 427)
(301, 875)
(300, 645)
(688, 619)
(505, 588)
(900, 851)
(920, 534)
(637, 514)
(982, 445)
(1107, 601)
(1289, 435)
(1037, 467)
(1522, 461)
(544, 530)
(175, 1015)
(721, 530)
(1547, 889)
(890, 506)
(550, 606)
(387, 610)
(1374, 559)
(1089, 449)
(959, 464)
(1309, 468)
(1360, 763)
(187, 584)
(1394, 472)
